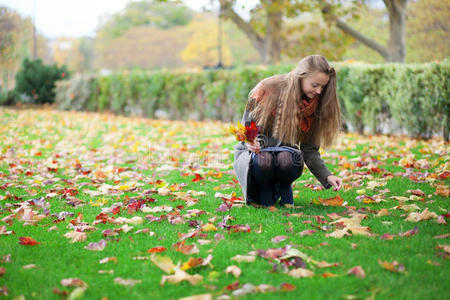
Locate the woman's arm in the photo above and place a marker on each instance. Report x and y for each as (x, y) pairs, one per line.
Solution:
(315, 163)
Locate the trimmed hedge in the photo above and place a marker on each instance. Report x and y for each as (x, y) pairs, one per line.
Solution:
(388, 98)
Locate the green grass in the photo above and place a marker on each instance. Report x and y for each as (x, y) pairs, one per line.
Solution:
(140, 146)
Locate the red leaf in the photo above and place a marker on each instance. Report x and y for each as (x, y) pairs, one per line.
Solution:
(233, 286)
(251, 132)
(156, 249)
(287, 287)
(198, 177)
(28, 241)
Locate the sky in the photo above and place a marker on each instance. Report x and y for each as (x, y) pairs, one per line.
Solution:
(74, 18)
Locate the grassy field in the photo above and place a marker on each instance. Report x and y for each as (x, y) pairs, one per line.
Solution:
(97, 206)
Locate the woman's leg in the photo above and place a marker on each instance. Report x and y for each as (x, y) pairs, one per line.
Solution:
(288, 167)
(262, 174)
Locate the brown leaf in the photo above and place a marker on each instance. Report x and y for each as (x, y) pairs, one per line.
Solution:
(338, 233)
(76, 236)
(393, 266)
(185, 249)
(425, 215)
(334, 201)
(443, 190)
(107, 259)
(233, 270)
(300, 273)
(126, 282)
(73, 282)
(179, 276)
(442, 236)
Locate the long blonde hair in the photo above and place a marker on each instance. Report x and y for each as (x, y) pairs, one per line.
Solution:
(286, 101)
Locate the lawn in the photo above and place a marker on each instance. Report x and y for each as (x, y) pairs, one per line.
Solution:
(98, 206)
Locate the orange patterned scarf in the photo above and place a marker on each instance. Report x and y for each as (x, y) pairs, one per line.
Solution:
(308, 107)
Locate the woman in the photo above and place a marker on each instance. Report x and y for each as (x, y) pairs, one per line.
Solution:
(297, 113)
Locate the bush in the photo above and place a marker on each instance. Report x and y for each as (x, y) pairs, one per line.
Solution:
(388, 98)
(8, 97)
(37, 80)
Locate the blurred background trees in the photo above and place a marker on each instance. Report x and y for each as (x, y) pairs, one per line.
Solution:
(151, 34)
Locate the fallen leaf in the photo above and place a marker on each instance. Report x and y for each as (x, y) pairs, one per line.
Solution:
(300, 273)
(425, 215)
(28, 241)
(107, 259)
(409, 233)
(76, 236)
(185, 249)
(233, 270)
(73, 282)
(334, 201)
(393, 266)
(163, 262)
(30, 266)
(287, 287)
(279, 238)
(181, 275)
(357, 271)
(244, 258)
(307, 232)
(442, 236)
(99, 246)
(126, 282)
(156, 249)
(338, 233)
(209, 227)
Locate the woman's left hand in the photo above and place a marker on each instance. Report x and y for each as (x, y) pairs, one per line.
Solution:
(335, 181)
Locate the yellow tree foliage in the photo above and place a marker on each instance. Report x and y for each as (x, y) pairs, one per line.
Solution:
(202, 46)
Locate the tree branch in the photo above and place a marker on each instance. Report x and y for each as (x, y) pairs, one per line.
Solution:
(382, 50)
(255, 38)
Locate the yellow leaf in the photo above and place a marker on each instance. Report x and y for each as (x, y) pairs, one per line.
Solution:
(209, 227)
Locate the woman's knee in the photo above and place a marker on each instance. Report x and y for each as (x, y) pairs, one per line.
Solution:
(289, 165)
(264, 160)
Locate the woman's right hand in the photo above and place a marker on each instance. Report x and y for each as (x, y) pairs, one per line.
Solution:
(255, 147)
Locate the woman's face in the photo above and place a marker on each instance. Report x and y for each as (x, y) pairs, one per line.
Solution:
(313, 85)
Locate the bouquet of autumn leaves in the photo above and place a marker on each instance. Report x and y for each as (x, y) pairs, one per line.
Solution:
(245, 133)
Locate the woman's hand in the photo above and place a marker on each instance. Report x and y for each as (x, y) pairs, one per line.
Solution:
(255, 147)
(335, 181)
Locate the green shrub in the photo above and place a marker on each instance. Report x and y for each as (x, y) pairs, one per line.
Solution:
(377, 98)
(37, 81)
(8, 97)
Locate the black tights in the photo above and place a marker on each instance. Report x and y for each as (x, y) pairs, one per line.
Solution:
(280, 168)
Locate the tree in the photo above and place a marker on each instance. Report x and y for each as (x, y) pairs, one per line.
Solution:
(16, 44)
(157, 14)
(201, 49)
(395, 50)
(286, 27)
(265, 38)
(428, 30)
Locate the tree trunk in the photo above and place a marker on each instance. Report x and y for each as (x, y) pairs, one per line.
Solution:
(268, 46)
(397, 20)
(395, 50)
(256, 40)
(273, 36)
